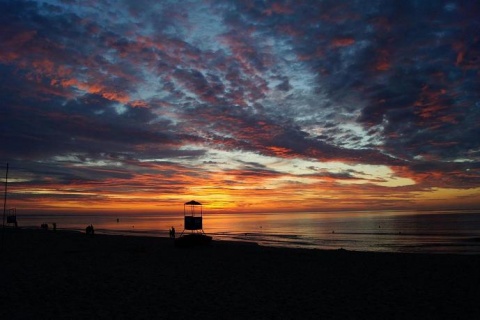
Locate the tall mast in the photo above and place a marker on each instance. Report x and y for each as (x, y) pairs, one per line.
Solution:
(5, 196)
(4, 205)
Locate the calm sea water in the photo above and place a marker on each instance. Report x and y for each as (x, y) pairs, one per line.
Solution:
(392, 231)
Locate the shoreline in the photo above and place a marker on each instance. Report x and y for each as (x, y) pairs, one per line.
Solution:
(399, 232)
(67, 274)
(463, 244)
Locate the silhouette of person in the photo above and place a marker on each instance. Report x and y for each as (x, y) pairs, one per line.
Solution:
(173, 232)
(89, 230)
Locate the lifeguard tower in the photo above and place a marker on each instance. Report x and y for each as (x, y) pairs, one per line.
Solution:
(193, 215)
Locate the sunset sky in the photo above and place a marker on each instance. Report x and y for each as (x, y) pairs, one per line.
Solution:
(245, 106)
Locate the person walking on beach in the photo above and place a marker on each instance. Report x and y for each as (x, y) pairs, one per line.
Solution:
(172, 233)
(89, 230)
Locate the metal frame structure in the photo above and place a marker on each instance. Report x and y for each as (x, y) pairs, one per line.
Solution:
(12, 216)
(193, 216)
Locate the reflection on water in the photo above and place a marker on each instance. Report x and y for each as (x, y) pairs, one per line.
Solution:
(433, 232)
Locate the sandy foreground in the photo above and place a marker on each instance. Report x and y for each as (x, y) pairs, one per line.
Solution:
(68, 275)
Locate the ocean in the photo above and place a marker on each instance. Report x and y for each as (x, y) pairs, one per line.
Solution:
(388, 231)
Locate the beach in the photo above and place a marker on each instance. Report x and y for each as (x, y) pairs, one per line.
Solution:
(69, 275)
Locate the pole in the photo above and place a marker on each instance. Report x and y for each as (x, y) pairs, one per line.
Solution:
(4, 205)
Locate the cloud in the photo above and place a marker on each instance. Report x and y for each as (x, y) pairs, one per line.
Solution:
(388, 84)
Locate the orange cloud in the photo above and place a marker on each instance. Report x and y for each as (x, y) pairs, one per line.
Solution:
(97, 88)
(14, 47)
(382, 63)
(280, 151)
(343, 42)
(278, 8)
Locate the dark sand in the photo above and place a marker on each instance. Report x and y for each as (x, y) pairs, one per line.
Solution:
(67, 275)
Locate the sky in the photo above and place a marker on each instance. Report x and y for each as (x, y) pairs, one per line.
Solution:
(245, 106)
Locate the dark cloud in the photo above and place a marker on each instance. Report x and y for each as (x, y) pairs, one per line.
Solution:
(391, 83)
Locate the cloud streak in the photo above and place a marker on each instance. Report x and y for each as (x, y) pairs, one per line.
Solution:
(154, 101)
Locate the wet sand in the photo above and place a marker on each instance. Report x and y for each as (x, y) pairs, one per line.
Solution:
(68, 275)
